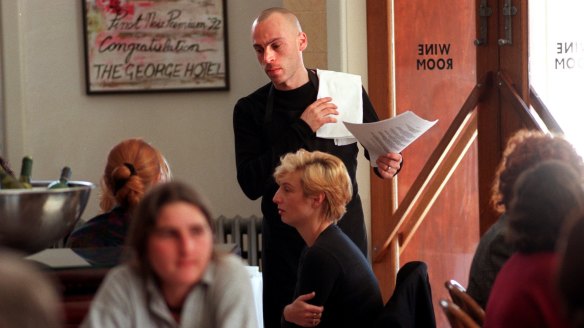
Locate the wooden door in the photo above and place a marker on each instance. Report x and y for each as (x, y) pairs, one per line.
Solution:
(425, 56)
(435, 70)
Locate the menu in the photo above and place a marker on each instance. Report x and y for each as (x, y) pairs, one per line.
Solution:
(391, 135)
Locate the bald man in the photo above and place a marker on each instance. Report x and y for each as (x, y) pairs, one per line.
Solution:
(281, 117)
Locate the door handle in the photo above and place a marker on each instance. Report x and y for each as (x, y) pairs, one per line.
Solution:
(508, 11)
(484, 12)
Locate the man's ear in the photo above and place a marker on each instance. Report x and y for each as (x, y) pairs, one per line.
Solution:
(302, 41)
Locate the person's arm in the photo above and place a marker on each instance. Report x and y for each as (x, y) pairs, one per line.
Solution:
(233, 297)
(319, 274)
(257, 155)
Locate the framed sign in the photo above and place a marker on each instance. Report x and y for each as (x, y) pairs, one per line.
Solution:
(155, 45)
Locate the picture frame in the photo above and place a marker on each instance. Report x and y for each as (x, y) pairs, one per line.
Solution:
(155, 46)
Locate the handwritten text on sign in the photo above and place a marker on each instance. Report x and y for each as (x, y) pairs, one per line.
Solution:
(155, 45)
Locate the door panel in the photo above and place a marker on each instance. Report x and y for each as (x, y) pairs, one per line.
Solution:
(447, 238)
(498, 117)
(435, 70)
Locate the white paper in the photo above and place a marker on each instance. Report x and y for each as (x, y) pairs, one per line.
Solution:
(389, 136)
(346, 91)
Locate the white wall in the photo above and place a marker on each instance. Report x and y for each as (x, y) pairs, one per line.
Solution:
(49, 116)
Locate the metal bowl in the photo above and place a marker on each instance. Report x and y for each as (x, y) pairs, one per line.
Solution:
(34, 219)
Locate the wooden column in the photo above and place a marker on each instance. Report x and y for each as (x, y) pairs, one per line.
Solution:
(383, 195)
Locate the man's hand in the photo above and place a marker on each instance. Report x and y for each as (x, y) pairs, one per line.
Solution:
(303, 314)
(388, 165)
(319, 113)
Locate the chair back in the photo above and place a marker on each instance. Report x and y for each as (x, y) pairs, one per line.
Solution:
(411, 303)
(456, 316)
(461, 298)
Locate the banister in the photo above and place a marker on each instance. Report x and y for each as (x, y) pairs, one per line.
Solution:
(443, 173)
(543, 112)
(522, 109)
(433, 167)
(450, 151)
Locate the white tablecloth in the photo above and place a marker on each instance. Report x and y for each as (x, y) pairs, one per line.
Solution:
(256, 284)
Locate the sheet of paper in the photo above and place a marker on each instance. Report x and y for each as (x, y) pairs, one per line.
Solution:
(389, 136)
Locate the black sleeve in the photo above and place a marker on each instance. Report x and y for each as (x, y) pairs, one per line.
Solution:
(319, 274)
(256, 154)
(369, 113)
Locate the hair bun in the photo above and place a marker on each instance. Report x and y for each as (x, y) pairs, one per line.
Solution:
(130, 167)
(121, 175)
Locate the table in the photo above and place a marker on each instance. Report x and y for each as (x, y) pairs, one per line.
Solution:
(90, 258)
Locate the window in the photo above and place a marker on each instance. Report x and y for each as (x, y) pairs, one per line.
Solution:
(556, 62)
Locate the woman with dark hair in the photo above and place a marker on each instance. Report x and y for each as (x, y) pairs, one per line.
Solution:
(524, 150)
(571, 270)
(133, 166)
(335, 285)
(524, 293)
(173, 277)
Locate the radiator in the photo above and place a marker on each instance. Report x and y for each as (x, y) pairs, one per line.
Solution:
(245, 233)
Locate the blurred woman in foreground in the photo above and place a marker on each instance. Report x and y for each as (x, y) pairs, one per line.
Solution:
(174, 278)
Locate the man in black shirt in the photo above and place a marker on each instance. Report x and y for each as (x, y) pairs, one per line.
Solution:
(281, 117)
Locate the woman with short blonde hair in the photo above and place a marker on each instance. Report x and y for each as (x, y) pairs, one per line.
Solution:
(321, 172)
(335, 286)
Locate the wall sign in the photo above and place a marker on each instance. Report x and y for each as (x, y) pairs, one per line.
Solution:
(569, 55)
(155, 45)
(433, 56)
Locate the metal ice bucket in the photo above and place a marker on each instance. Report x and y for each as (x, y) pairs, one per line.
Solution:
(34, 219)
